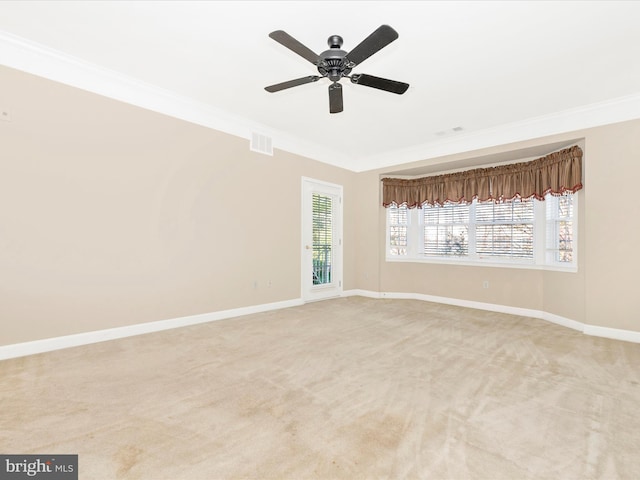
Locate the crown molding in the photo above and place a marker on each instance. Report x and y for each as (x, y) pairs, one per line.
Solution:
(31, 57)
(25, 55)
(616, 110)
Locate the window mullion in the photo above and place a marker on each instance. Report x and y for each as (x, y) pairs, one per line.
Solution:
(539, 232)
(472, 230)
(413, 233)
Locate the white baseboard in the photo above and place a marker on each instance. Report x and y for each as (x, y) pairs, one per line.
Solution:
(615, 333)
(594, 330)
(361, 293)
(57, 343)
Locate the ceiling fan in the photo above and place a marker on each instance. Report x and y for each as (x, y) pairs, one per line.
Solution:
(336, 64)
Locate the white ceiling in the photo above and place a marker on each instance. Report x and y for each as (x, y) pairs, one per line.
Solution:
(503, 71)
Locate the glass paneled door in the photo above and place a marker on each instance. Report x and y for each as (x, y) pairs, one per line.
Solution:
(321, 240)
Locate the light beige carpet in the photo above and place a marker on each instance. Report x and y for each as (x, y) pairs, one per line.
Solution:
(351, 388)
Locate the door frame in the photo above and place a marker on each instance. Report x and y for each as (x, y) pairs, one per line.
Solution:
(310, 292)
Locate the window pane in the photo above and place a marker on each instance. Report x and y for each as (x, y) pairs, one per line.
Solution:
(559, 228)
(446, 230)
(446, 214)
(565, 206)
(513, 211)
(398, 218)
(322, 239)
(446, 240)
(522, 210)
(565, 241)
(505, 230)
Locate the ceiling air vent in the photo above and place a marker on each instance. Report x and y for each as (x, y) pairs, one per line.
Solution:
(261, 144)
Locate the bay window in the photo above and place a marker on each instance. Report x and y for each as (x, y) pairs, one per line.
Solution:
(519, 214)
(521, 232)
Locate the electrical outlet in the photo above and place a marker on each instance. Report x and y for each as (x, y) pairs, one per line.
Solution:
(485, 284)
(5, 115)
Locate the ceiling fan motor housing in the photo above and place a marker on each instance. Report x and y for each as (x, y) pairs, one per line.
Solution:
(332, 63)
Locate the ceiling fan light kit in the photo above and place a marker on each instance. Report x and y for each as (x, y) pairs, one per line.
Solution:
(336, 64)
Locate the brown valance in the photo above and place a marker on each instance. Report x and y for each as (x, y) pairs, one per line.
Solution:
(557, 173)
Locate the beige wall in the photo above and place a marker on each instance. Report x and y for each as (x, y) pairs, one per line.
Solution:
(111, 215)
(612, 255)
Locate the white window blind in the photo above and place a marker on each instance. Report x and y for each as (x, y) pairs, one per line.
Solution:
(505, 230)
(446, 230)
(322, 238)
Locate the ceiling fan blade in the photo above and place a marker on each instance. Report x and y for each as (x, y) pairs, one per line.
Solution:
(294, 45)
(380, 83)
(335, 98)
(375, 42)
(291, 83)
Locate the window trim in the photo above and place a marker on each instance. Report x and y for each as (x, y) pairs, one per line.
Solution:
(538, 262)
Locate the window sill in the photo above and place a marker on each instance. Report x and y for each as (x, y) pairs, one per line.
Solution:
(484, 263)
